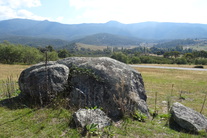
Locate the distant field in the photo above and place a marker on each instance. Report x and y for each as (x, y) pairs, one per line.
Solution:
(198, 47)
(191, 85)
(95, 47)
(91, 47)
(174, 65)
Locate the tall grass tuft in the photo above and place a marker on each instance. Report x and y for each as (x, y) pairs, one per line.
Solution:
(9, 88)
(203, 103)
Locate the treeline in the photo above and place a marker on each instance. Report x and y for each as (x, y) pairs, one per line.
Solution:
(12, 54)
(155, 50)
(173, 57)
(178, 42)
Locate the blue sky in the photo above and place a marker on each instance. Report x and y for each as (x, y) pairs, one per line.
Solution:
(101, 11)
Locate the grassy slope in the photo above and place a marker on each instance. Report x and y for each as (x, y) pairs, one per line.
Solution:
(197, 47)
(166, 81)
(91, 47)
(54, 122)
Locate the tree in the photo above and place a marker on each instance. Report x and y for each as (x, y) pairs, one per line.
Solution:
(52, 56)
(188, 56)
(181, 61)
(175, 53)
(166, 54)
(135, 60)
(11, 54)
(31, 55)
(63, 53)
(120, 57)
(49, 48)
(203, 54)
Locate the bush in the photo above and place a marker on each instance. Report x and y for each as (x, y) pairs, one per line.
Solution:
(139, 116)
(181, 61)
(120, 57)
(201, 61)
(198, 67)
(135, 60)
(10, 54)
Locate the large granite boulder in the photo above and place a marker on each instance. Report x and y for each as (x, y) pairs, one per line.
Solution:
(187, 118)
(102, 82)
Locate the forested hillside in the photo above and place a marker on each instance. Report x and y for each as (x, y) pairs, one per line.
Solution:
(145, 30)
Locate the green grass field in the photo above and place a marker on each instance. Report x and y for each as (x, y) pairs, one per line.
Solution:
(191, 85)
(54, 121)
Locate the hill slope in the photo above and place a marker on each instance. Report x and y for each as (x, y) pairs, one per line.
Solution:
(145, 30)
(34, 41)
(107, 40)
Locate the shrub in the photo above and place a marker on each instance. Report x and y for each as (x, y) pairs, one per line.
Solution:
(139, 116)
(198, 67)
(135, 60)
(120, 57)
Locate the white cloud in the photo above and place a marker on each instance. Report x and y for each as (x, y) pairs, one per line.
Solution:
(20, 3)
(140, 10)
(29, 15)
(59, 19)
(15, 9)
(6, 13)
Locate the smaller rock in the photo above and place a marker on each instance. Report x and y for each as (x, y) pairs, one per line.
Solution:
(188, 118)
(85, 117)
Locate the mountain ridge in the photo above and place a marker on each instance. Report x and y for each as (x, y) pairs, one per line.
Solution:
(71, 32)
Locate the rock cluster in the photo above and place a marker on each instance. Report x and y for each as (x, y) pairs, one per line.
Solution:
(88, 82)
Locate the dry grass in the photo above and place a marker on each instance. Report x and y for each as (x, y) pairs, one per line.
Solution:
(91, 47)
(9, 75)
(48, 122)
(192, 84)
(11, 70)
(174, 65)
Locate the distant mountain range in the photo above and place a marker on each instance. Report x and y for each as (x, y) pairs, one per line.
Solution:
(31, 32)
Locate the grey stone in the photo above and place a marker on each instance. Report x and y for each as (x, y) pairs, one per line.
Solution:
(85, 117)
(45, 82)
(112, 85)
(102, 82)
(188, 118)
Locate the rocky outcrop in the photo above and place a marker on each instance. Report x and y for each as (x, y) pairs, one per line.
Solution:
(187, 118)
(102, 82)
(85, 117)
(44, 82)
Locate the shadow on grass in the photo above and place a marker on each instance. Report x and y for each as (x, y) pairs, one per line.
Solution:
(19, 117)
(14, 104)
(18, 103)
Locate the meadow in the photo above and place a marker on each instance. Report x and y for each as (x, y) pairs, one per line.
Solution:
(186, 87)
